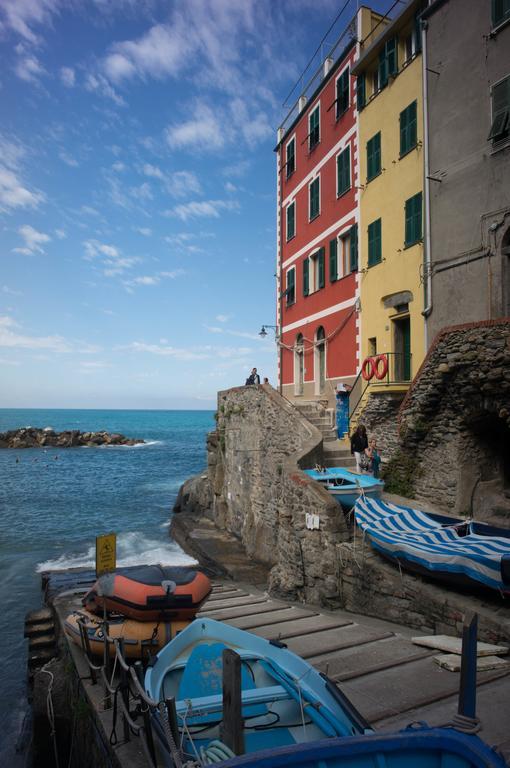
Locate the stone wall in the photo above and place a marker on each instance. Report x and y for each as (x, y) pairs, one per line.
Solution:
(380, 416)
(455, 422)
(261, 496)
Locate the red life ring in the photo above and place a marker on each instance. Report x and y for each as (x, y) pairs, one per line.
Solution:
(380, 373)
(368, 368)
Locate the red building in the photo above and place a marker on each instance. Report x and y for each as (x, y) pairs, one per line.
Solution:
(317, 228)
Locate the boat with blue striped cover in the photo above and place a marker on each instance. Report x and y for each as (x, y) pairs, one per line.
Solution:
(457, 551)
(416, 747)
(346, 486)
(284, 700)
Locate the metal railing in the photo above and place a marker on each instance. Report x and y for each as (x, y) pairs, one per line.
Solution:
(130, 691)
(398, 371)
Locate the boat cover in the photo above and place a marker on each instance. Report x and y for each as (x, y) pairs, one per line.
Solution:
(407, 534)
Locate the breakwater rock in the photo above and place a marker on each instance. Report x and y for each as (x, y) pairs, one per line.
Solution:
(34, 437)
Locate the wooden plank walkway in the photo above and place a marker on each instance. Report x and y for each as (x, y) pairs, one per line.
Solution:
(389, 679)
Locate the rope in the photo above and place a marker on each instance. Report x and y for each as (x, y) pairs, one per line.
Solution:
(50, 711)
(176, 755)
(464, 723)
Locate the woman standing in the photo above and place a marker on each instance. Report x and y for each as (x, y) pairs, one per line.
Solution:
(359, 443)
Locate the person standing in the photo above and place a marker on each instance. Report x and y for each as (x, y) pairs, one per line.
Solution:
(374, 456)
(359, 444)
(253, 378)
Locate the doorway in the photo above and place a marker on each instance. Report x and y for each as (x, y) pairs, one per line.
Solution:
(320, 361)
(402, 348)
(299, 365)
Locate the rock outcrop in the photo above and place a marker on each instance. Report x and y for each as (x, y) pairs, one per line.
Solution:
(35, 437)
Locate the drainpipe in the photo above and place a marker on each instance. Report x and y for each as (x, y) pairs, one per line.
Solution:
(279, 320)
(427, 287)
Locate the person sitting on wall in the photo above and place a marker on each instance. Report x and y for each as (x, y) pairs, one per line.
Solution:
(359, 443)
(374, 457)
(253, 378)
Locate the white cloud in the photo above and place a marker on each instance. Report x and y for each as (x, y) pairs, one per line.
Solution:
(13, 193)
(177, 184)
(94, 364)
(118, 167)
(67, 76)
(153, 171)
(143, 192)
(202, 208)
(9, 337)
(145, 231)
(21, 15)
(151, 279)
(68, 159)
(33, 239)
(10, 291)
(238, 169)
(29, 69)
(99, 84)
(60, 234)
(222, 318)
(229, 187)
(112, 261)
(5, 361)
(89, 211)
(205, 352)
(161, 51)
(203, 132)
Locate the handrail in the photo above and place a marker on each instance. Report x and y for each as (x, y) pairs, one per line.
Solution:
(396, 360)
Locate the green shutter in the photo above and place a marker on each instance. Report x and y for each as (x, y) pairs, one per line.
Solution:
(374, 156)
(306, 280)
(291, 221)
(314, 198)
(500, 11)
(383, 68)
(343, 164)
(408, 129)
(417, 33)
(413, 220)
(360, 91)
(342, 93)
(291, 283)
(321, 268)
(374, 243)
(333, 260)
(314, 128)
(391, 56)
(291, 158)
(354, 247)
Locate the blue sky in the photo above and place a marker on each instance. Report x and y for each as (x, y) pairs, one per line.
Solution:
(137, 194)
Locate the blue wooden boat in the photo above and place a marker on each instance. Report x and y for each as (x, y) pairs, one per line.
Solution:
(457, 551)
(347, 486)
(284, 700)
(412, 748)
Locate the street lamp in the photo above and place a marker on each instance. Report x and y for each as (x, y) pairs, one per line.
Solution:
(263, 332)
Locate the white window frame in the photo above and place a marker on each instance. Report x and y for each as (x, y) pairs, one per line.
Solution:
(292, 139)
(312, 111)
(318, 176)
(313, 271)
(347, 146)
(290, 205)
(336, 91)
(287, 302)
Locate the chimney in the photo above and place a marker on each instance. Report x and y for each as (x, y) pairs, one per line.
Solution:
(279, 135)
(328, 63)
(302, 103)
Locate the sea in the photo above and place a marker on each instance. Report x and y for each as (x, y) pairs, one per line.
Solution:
(54, 502)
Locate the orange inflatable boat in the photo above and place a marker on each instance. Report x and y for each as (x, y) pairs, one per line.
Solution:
(150, 593)
(141, 638)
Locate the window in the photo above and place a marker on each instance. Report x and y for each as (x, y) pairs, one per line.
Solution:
(333, 261)
(387, 61)
(413, 220)
(372, 347)
(500, 12)
(342, 93)
(500, 127)
(374, 156)
(361, 91)
(291, 157)
(313, 272)
(408, 136)
(314, 135)
(315, 206)
(374, 243)
(409, 47)
(291, 220)
(291, 286)
(343, 172)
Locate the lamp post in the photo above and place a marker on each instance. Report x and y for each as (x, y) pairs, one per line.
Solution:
(263, 334)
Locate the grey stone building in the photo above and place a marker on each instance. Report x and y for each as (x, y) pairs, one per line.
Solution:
(467, 161)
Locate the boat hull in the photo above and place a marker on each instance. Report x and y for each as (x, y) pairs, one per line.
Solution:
(346, 486)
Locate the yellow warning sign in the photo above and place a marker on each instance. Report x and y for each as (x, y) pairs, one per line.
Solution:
(106, 553)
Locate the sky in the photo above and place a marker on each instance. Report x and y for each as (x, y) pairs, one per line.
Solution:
(138, 194)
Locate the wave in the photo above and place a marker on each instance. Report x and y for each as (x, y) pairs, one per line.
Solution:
(147, 444)
(132, 549)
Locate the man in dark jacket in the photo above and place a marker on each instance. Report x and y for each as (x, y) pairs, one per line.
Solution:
(359, 442)
(253, 378)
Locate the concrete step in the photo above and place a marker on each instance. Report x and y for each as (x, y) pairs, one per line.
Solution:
(345, 463)
(336, 450)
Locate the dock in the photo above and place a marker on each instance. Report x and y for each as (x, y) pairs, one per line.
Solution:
(390, 680)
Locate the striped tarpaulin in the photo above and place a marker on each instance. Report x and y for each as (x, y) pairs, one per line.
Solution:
(409, 534)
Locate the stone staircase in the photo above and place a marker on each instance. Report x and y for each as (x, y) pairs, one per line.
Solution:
(337, 453)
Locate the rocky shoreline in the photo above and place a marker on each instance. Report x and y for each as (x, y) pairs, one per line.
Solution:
(35, 437)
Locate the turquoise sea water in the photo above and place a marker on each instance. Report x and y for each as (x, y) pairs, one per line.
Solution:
(54, 502)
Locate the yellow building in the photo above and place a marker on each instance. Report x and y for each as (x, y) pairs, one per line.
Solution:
(390, 104)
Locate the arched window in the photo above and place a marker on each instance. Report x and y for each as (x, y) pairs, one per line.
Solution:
(299, 365)
(320, 360)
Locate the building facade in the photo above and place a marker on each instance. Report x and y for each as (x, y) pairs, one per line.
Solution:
(467, 88)
(390, 104)
(318, 228)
